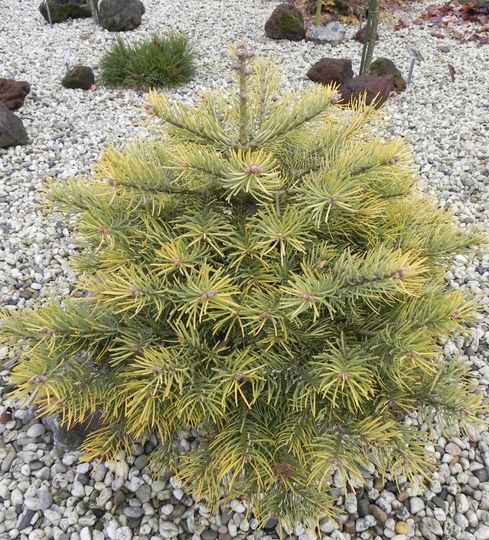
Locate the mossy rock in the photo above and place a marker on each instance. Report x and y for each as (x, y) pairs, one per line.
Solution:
(286, 22)
(61, 10)
(385, 66)
(79, 77)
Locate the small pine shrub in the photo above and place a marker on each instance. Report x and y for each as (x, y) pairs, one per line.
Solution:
(267, 280)
(157, 62)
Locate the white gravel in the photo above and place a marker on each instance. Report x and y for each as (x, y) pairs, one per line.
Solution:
(47, 496)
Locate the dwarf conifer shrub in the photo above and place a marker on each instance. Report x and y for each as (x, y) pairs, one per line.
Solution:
(267, 280)
(157, 62)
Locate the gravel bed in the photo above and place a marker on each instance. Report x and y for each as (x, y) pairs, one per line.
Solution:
(48, 494)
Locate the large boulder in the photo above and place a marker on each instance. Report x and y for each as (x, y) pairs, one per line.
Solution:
(385, 66)
(12, 131)
(120, 15)
(13, 93)
(374, 89)
(79, 77)
(331, 71)
(61, 10)
(286, 22)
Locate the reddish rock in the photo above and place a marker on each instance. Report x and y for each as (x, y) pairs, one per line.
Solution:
(361, 34)
(13, 93)
(385, 66)
(375, 88)
(331, 71)
(6, 415)
(12, 131)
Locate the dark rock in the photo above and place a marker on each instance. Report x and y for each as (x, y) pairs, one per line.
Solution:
(286, 22)
(227, 514)
(13, 93)
(375, 89)
(482, 474)
(120, 15)
(25, 519)
(271, 523)
(66, 439)
(390, 486)
(384, 66)
(363, 506)
(119, 497)
(443, 493)
(361, 35)
(141, 461)
(79, 77)
(331, 71)
(441, 503)
(61, 10)
(98, 512)
(481, 270)
(134, 523)
(12, 131)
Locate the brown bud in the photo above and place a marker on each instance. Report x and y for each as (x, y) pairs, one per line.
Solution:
(135, 292)
(38, 379)
(208, 295)
(253, 169)
(239, 377)
(400, 274)
(178, 263)
(47, 331)
(283, 469)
